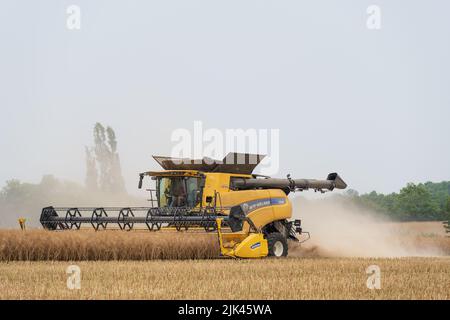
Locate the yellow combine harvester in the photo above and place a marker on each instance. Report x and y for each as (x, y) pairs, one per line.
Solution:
(249, 212)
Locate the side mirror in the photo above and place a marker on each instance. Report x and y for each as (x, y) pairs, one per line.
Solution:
(141, 177)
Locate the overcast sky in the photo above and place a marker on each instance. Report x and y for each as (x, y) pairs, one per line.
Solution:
(373, 105)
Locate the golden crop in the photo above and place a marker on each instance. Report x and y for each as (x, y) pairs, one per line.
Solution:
(35, 245)
(147, 265)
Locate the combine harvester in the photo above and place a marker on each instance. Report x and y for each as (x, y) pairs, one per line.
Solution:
(209, 194)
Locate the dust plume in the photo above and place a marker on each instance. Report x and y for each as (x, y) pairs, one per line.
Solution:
(340, 228)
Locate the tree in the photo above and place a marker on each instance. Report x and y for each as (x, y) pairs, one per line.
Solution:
(109, 178)
(374, 201)
(352, 193)
(111, 139)
(416, 202)
(14, 191)
(117, 182)
(440, 192)
(424, 201)
(91, 180)
(101, 155)
(448, 205)
(447, 223)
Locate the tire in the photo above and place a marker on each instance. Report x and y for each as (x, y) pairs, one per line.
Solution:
(278, 246)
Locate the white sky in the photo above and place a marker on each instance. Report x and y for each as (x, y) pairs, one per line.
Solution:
(371, 105)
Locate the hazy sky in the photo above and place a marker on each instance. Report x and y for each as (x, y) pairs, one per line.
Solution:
(373, 105)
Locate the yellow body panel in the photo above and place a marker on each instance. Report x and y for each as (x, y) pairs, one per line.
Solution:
(253, 246)
(241, 245)
(230, 199)
(217, 182)
(265, 214)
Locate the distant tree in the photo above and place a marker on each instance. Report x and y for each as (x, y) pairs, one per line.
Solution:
(13, 191)
(424, 201)
(447, 223)
(374, 201)
(351, 193)
(415, 201)
(101, 156)
(110, 177)
(49, 182)
(448, 205)
(117, 182)
(91, 180)
(111, 139)
(440, 192)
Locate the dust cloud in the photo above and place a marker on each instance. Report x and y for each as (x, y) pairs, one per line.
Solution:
(26, 200)
(341, 229)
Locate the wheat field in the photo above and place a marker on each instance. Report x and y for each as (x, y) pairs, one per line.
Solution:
(39, 245)
(178, 265)
(116, 245)
(291, 278)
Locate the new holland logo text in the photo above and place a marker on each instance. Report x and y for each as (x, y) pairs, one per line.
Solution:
(256, 245)
(248, 207)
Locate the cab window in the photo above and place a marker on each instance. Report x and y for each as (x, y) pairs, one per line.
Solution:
(179, 191)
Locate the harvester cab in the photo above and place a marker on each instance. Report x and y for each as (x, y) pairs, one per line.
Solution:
(250, 213)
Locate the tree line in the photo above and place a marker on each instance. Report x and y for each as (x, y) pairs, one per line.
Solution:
(419, 202)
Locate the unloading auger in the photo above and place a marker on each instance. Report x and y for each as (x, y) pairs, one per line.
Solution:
(209, 194)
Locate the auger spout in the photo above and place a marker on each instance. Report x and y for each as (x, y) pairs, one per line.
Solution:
(333, 181)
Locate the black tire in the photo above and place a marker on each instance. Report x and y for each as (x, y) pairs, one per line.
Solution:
(278, 246)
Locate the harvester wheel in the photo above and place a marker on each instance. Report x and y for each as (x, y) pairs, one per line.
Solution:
(278, 246)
